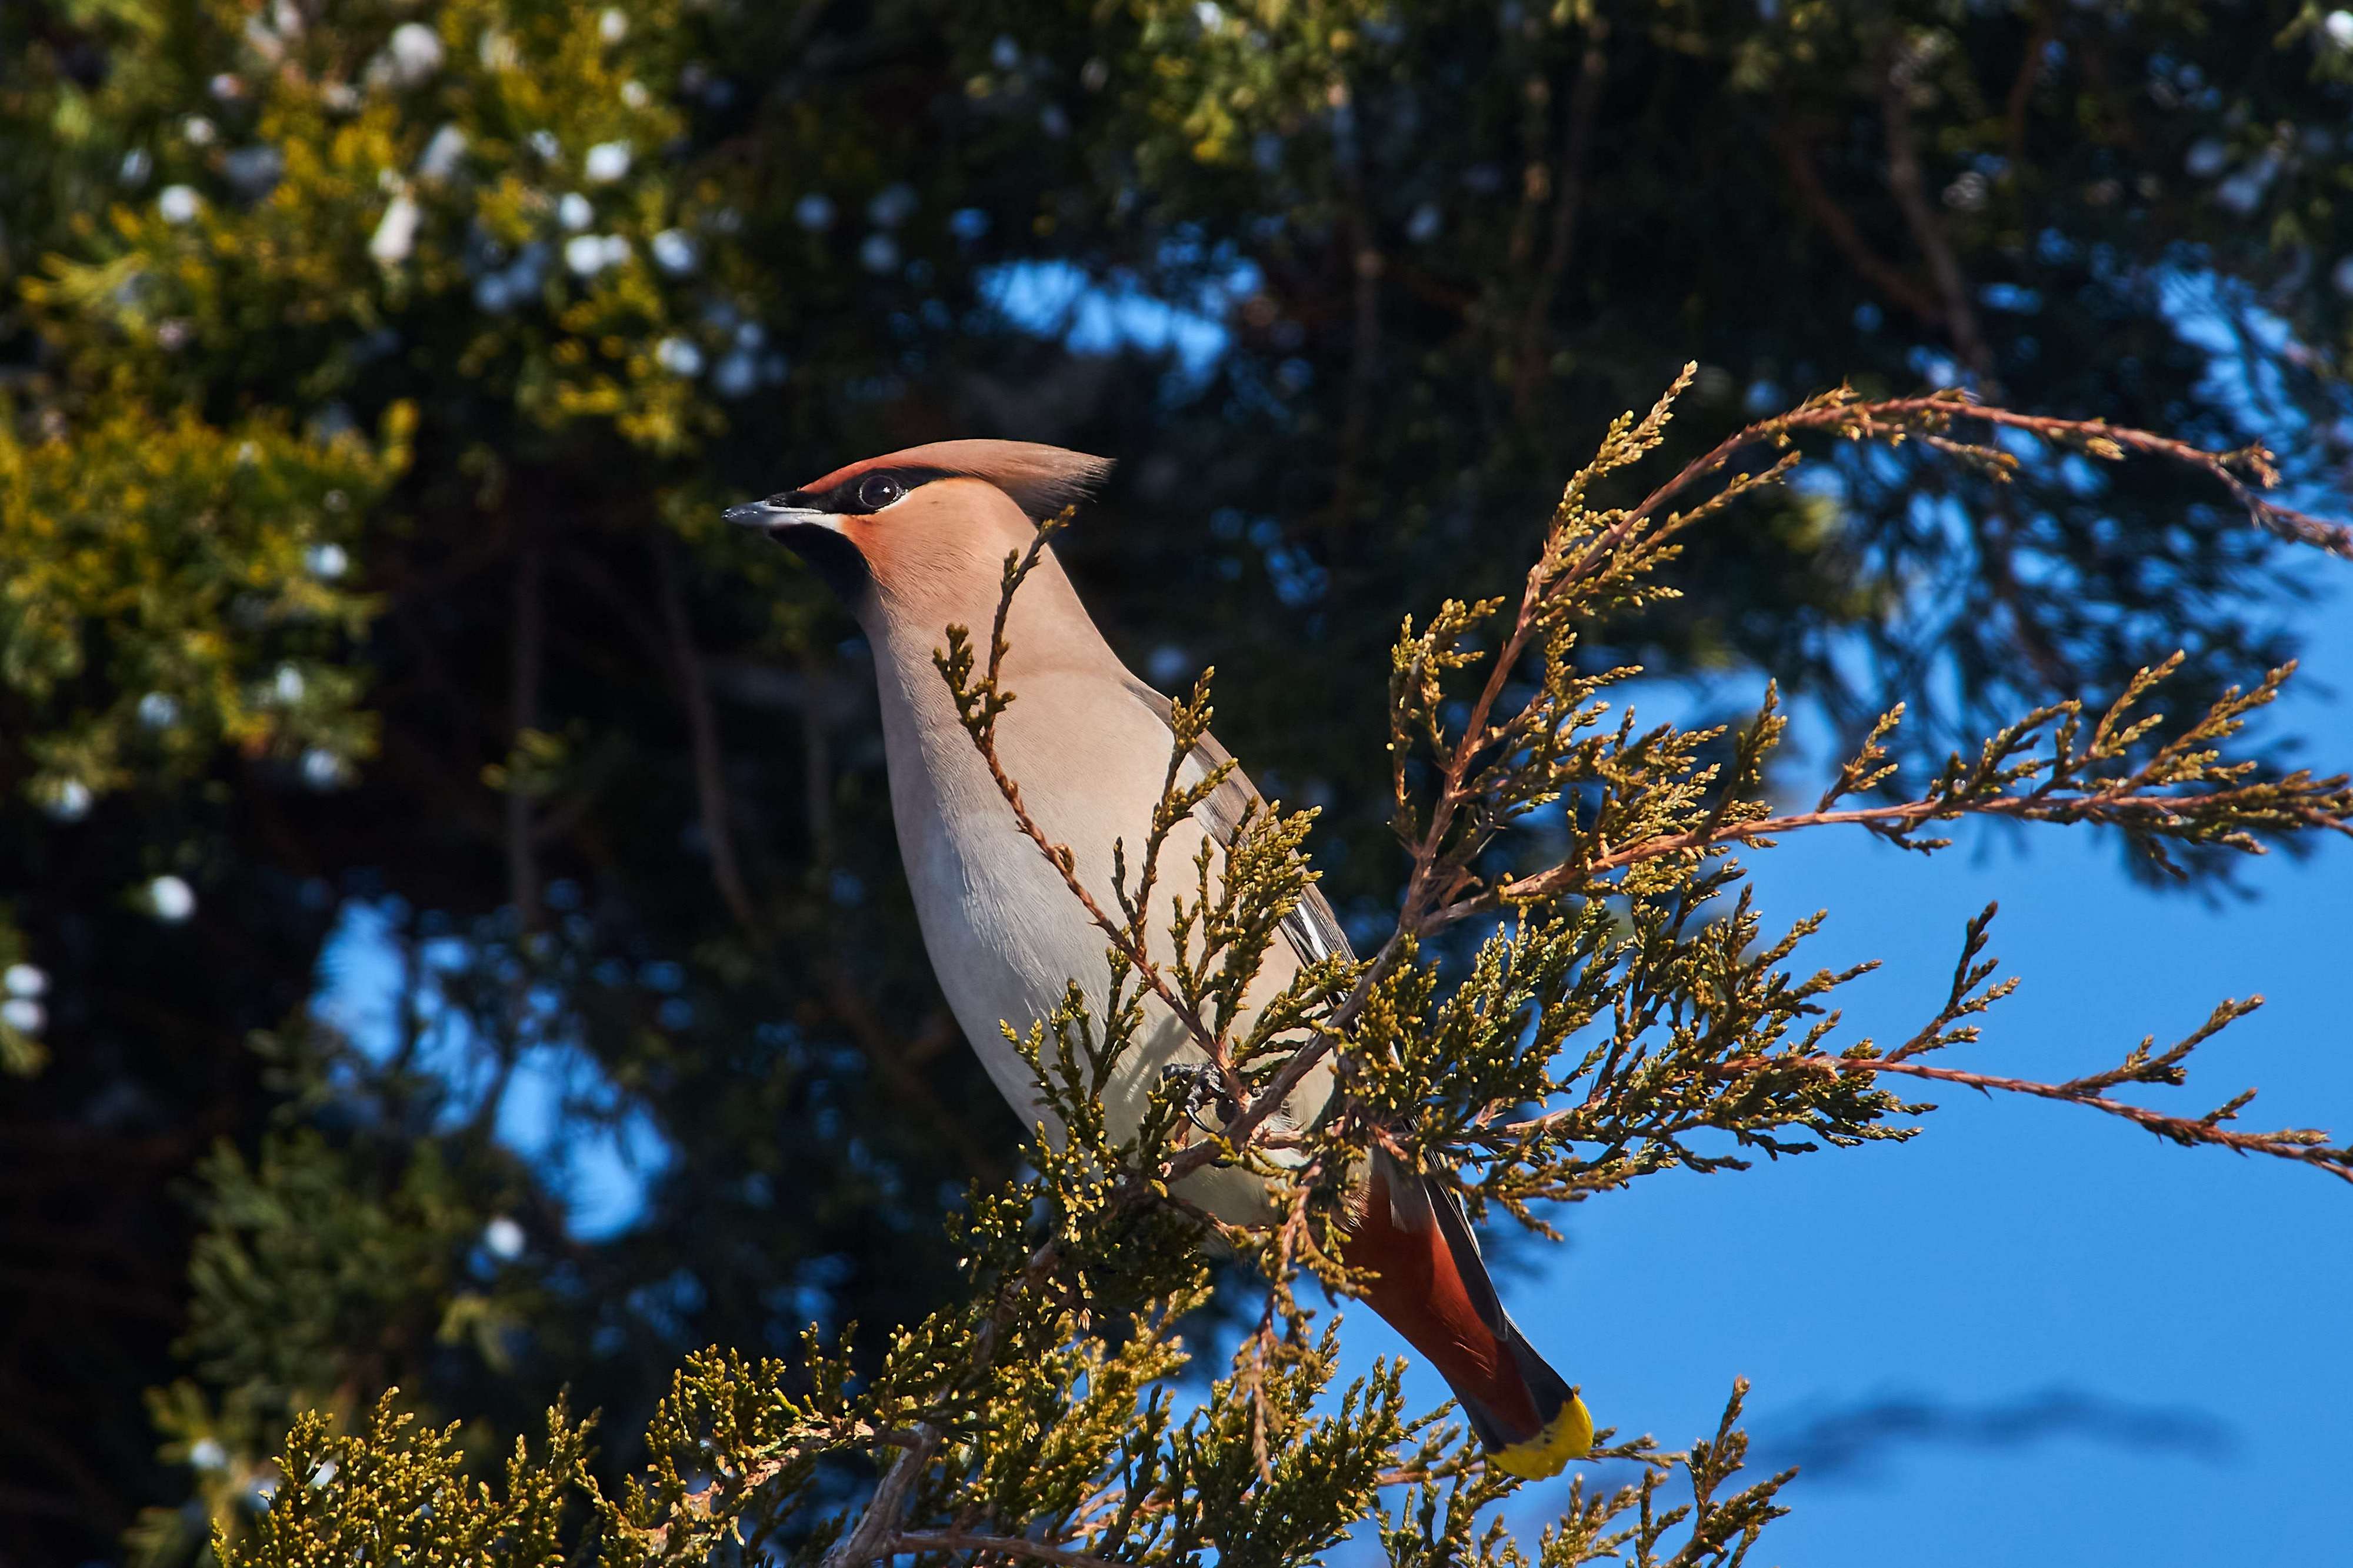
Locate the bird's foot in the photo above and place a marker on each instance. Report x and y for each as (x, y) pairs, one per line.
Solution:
(1199, 1098)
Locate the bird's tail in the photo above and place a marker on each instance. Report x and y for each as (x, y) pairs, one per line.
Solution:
(1432, 1285)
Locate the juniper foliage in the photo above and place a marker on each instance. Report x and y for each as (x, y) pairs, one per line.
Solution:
(1626, 1015)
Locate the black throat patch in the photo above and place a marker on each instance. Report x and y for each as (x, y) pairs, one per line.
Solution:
(831, 557)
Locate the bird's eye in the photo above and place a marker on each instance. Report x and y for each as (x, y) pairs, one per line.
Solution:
(878, 491)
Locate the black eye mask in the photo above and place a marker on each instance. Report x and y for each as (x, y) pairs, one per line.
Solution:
(862, 496)
(790, 518)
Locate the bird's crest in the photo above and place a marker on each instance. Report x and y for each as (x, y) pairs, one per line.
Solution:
(1042, 479)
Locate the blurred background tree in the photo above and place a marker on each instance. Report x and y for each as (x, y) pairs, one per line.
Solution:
(452, 926)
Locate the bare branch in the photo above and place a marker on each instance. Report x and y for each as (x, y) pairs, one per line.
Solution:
(1003, 1545)
(703, 731)
(1568, 200)
(1797, 162)
(1904, 177)
(529, 649)
(871, 1537)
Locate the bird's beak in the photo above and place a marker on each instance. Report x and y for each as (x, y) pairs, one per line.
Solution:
(776, 519)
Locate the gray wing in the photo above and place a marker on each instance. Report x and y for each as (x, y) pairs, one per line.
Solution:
(1312, 929)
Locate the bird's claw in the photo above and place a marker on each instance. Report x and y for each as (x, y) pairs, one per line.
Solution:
(1200, 1097)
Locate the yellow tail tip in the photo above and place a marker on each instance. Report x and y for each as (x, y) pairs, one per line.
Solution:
(1566, 1436)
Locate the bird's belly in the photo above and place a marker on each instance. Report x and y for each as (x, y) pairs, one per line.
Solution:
(1006, 948)
(1009, 939)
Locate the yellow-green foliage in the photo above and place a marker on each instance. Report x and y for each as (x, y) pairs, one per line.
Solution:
(1220, 75)
(403, 164)
(316, 1259)
(397, 1491)
(173, 586)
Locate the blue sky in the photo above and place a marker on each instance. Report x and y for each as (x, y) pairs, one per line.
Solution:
(596, 1150)
(2156, 1337)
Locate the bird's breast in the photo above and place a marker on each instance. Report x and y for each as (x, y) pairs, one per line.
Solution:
(1005, 935)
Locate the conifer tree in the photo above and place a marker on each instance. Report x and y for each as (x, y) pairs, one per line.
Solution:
(372, 372)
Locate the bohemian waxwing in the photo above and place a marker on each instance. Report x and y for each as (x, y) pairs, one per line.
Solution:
(916, 540)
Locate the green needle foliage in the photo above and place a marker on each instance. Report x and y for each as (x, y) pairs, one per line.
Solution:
(1625, 1015)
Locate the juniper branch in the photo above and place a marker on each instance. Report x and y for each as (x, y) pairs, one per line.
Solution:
(2304, 1145)
(1891, 420)
(2329, 804)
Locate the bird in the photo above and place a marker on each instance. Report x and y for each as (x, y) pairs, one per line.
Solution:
(915, 541)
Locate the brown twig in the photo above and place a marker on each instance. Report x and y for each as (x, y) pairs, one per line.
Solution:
(1797, 162)
(530, 645)
(702, 1503)
(1129, 943)
(703, 731)
(1905, 180)
(1059, 856)
(877, 1523)
(1429, 900)
(2022, 86)
(2101, 806)
(1567, 198)
(2304, 1145)
(1891, 419)
(1005, 1545)
(870, 1534)
(1434, 876)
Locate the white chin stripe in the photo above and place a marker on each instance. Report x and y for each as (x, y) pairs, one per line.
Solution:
(767, 515)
